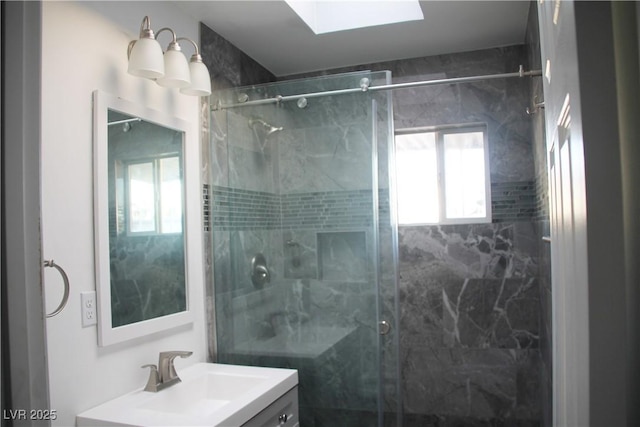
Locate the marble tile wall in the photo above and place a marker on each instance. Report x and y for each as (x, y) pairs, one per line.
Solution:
(472, 330)
(228, 65)
(469, 322)
(469, 295)
(471, 318)
(500, 103)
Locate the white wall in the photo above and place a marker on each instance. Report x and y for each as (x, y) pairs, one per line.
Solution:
(84, 49)
(568, 216)
(592, 358)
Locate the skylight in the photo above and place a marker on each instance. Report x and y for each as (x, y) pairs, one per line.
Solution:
(326, 16)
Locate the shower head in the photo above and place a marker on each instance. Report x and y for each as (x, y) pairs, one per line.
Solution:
(256, 123)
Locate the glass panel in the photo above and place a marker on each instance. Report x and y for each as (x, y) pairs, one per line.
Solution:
(170, 195)
(301, 188)
(142, 204)
(464, 169)
(417, 178)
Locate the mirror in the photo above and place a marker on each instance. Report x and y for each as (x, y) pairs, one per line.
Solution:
(140, 229)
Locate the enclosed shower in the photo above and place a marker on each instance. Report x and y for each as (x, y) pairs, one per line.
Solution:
(388, 323)
(303, 243)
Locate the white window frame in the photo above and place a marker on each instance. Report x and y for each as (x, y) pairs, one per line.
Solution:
(440, 132)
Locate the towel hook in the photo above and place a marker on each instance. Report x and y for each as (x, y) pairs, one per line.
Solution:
(537, 105)
(65, 278)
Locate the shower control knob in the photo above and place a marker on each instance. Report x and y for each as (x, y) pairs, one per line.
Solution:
(283, 418)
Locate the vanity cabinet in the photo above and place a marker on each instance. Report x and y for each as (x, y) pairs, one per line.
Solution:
(281, 413)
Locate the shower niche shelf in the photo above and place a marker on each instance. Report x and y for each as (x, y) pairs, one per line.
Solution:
(342, 256)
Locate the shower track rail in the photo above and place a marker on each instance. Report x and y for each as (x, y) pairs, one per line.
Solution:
(364, 87)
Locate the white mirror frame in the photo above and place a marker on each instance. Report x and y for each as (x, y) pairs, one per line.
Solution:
(107, 334)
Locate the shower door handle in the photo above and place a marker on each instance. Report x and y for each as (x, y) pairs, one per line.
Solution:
(384, 327)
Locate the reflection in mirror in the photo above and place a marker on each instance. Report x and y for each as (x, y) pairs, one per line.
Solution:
(140, 228)
(146, 242)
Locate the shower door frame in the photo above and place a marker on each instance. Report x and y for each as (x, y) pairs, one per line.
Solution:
(375, 256)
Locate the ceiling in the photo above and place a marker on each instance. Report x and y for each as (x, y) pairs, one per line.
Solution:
(272, 34)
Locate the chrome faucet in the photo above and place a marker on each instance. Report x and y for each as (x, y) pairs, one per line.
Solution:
(166, 375)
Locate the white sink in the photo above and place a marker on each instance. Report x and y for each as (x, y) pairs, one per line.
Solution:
(210, 394)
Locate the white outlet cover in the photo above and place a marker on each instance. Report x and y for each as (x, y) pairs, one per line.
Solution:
(88, 308)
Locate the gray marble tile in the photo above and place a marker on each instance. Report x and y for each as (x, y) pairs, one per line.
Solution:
(228, 65)
(485, 385)
(461, 382)
(491, 313)
(342, 256)
(338, 158)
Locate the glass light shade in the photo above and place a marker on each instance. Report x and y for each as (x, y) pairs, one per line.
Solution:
(200, 80)
(146, 59)
(176, 70)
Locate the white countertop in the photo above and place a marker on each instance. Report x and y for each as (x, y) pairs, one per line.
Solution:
(210, 394)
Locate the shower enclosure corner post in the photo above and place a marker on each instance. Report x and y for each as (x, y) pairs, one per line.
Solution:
(387, 256)
(393, 245)
(376, 254)
(211, 129)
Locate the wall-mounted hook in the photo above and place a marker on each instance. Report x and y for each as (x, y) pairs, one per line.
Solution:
(537, 105)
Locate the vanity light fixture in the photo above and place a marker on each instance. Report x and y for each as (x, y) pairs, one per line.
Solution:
(169, 68)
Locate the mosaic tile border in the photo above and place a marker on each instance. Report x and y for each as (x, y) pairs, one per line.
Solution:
(513, 201)
(236, 209)
(327, 210)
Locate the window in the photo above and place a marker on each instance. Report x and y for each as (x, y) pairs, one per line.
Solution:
(323, 16)
(155, 196)
(443, 175)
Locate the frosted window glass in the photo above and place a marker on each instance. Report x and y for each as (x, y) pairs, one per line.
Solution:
(442, 176)
(170, 195)
(464, 175)
(417, 178)
(142, 212)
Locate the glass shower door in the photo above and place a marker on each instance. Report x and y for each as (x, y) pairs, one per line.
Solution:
(296, 235)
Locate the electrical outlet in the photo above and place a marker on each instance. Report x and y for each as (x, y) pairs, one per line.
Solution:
(88, 308)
